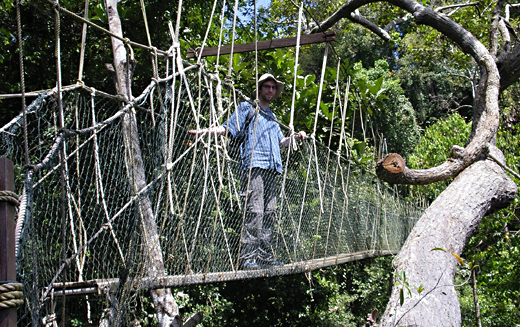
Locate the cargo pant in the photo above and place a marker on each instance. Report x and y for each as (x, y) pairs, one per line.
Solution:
(260, 193)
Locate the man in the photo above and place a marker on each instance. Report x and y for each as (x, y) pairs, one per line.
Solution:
(260, 163)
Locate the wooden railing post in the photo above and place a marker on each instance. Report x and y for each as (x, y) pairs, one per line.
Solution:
(7, 234)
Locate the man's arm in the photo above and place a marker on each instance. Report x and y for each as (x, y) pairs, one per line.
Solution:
(216, 130)
(301, 135)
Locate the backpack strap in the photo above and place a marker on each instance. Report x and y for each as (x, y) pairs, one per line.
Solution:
(250, 115)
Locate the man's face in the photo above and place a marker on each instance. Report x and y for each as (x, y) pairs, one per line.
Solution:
(268, 91)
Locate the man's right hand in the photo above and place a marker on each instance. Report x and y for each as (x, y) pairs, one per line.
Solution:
(217, 130)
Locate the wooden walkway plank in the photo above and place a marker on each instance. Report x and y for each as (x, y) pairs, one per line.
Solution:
(96, 286)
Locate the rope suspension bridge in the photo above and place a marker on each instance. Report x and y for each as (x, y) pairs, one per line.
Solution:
(88, 224)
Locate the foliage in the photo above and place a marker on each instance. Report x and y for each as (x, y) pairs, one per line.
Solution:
(434, 147)
(393, 117)
(337, 296)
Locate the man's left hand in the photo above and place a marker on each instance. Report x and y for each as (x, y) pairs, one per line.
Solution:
(301, 135)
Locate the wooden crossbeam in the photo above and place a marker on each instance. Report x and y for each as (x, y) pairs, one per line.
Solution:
(265, 45)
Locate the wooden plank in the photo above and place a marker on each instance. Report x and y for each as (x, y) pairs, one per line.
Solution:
(79, 288)
(266, 45)
(7, 227)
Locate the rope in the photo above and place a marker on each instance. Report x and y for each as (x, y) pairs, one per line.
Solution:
(83, 42)
(220, 34)
(296, 61)
(11, 295)
(22, 78)
(501, 164)
(9, 196)
(20, 221)
(146, 23)
(207, 31)
(233, 40)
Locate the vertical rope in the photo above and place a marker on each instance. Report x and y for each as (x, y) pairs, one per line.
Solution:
(300, 13)
(57, 52)
(143, 10)
(320, 91)
(220, 36)
(83, 42)
(232, 39)
(344, 116)
(256, 55)
(207, 31)
(22, 78)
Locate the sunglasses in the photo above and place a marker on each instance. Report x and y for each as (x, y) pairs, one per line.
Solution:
(272, 87)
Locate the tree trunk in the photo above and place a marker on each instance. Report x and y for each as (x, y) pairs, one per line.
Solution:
(165, 306)
(447, 224)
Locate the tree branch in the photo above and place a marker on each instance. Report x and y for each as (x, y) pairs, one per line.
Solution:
(357, 18)
(397, 21)
(493, 35)
(509, 68)
(458, 6)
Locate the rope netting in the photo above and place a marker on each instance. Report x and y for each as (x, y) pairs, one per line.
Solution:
(81, 227)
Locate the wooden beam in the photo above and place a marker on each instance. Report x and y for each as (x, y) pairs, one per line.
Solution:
(7, 227)
(93, 286)
(266, 45)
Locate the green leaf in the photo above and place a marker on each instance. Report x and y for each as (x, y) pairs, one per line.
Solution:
(438, 249)
(401, 297)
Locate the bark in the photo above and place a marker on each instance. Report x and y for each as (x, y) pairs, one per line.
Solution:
(166, 309)
(448, 223)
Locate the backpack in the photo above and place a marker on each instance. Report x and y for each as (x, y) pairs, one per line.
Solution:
(234, 143)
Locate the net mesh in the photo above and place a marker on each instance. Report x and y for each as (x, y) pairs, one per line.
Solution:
(85, 227)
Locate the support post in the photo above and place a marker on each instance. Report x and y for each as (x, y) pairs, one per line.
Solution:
(7, 247)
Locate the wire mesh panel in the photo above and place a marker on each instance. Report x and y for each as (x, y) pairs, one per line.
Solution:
(89, 223)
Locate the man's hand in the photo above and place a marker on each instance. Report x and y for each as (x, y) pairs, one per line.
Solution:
(301, 135)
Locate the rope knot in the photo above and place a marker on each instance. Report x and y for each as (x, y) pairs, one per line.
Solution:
(68, 132)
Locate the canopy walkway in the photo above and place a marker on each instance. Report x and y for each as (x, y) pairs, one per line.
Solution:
(87, 224)
(79, 224)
